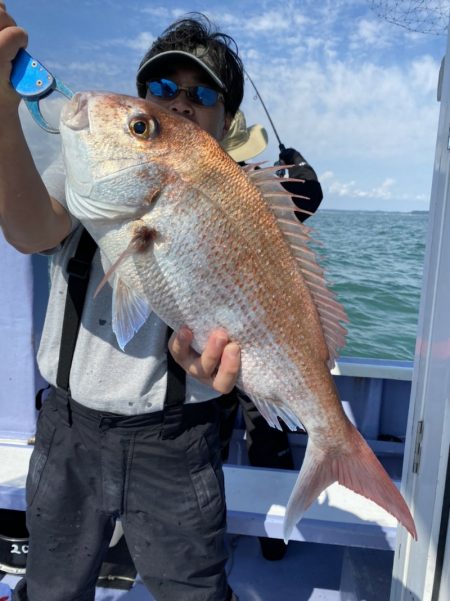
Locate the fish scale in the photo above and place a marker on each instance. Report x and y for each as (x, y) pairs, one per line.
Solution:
(204, 243)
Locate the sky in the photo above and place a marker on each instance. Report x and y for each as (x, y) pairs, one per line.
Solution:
(352, 91)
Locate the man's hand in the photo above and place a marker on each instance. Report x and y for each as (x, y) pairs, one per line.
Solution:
(218, 365)
(290, 156)
(12, 38)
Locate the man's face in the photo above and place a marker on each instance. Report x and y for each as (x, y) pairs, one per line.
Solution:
(212, 119)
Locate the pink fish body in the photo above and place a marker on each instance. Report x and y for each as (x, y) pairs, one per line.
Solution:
(201, 242)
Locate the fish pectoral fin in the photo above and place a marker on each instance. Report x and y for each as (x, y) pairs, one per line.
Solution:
(129, 311)
(357, 468)
(112, 268)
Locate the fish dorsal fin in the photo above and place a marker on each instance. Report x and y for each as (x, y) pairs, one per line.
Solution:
(298, 237)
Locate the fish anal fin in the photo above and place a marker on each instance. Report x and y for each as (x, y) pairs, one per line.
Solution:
(357, 468)
(129, 311)
(273, 411)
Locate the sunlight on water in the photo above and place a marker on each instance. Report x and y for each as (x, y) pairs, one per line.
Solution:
(374, 262)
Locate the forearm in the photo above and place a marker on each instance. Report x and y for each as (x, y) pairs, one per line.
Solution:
(30, 219)
(307, 191)
(311, 193)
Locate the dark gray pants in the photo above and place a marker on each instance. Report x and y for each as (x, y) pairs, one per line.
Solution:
(88, 469)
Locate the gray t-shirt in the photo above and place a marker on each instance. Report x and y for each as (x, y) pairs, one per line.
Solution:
(102, 376)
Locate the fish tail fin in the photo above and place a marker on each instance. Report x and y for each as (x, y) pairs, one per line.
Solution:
(357, 468)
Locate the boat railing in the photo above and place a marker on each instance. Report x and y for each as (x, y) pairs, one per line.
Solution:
(384, 369)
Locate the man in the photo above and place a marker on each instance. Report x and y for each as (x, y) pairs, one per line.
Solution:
(112, 444)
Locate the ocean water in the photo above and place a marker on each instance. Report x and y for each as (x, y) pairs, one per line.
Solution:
(374, 263)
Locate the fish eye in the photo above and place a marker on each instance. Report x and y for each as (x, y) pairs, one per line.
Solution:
(142, 127)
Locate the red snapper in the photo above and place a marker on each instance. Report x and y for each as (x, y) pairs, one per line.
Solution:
(200, 241)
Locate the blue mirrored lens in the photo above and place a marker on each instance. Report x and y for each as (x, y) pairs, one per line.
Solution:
(205, 96)
(163, 88)
(166, 88)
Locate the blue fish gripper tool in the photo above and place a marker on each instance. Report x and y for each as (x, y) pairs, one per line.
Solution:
(33, 82)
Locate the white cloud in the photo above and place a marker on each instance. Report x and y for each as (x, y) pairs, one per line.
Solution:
(160, 12)
(351, 189)
(361, 111)
(370, 33)
(273, 22)
(356, 94)
(141, 43)
(372, 123)
(350, 194)
(423, 74)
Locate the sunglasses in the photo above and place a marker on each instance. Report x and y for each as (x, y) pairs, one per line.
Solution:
(168, 89)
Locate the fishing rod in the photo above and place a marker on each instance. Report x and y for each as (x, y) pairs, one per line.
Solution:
(281, 145)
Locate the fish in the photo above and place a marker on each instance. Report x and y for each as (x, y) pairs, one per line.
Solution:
(189, 234)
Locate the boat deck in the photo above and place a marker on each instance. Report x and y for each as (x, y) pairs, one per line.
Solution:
(308, 572)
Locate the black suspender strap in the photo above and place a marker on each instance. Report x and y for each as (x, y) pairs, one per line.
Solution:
(175, 396)
(78, 270)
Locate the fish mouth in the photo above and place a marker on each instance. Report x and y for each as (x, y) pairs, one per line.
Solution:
(75, 114)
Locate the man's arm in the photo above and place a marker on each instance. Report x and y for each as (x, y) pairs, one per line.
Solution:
(31, 220)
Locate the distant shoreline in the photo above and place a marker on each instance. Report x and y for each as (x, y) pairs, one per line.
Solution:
(413, 212)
